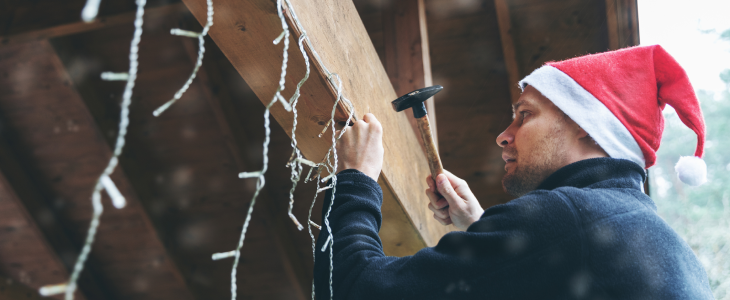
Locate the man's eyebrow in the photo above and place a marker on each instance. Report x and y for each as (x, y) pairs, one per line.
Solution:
(517, 105)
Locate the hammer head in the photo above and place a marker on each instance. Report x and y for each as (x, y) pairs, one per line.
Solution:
(415, 98)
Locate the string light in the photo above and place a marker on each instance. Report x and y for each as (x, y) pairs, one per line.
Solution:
(52, 290)
(331, 168)
(111, 76)
(69, 288)
(90, 10)
(111, 189)
(329, 164)
(296, 161)
(199, 62)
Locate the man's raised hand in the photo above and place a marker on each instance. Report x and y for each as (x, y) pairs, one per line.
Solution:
(457, 206)
(361, 147)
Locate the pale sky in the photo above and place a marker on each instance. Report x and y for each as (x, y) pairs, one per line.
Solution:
(677, 25)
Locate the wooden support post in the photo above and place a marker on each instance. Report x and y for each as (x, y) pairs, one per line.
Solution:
(508, 47)
(407, 58)
(245, 36)
(622, 21)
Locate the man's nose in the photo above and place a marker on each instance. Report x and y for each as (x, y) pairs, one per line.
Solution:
(505, 138)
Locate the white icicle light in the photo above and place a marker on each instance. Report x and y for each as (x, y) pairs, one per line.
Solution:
(187, 33)
(111, 76)
(691, 170)
(117, 198)
(52, 290)
(223, 255)
(91, 9)
(249, 174)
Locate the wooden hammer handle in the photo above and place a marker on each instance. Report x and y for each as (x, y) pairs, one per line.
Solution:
(432, 155)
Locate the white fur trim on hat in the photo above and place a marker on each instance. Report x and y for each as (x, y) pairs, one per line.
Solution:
(587, 111)
(691, 170)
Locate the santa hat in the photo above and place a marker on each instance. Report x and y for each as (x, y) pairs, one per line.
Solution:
(617, 97)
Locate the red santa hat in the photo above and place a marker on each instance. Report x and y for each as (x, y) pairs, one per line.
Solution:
(617, 97)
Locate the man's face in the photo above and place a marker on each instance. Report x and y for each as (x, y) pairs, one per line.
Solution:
(535, 144)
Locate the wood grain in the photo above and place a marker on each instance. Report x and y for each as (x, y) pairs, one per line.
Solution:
(432, 154)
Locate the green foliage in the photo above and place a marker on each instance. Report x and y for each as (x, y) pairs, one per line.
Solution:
(725, 35)
(725, 75)
(701, 215)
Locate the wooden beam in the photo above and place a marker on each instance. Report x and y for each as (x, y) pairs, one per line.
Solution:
(28, 261)
(622, 20)
(508, 48)
(68, 152)
(244, 35)
(12, 289)
(407, 58)
(81, 26)
(236, 139)
(32, 202)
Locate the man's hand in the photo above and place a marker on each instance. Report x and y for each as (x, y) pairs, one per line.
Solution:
(361, 147)
(463, 208)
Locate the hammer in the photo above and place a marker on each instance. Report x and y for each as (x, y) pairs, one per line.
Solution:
(415, 100)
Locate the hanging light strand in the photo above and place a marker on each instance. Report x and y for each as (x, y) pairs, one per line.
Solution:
(104, 182)
(198, 63)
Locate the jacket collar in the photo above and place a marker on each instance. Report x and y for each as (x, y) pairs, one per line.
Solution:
(603, 172)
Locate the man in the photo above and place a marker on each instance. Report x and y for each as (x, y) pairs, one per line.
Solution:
(581, 227)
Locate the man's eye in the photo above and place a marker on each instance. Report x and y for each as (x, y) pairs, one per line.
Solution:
(524, 113)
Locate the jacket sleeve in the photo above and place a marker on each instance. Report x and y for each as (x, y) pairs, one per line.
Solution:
(494, 257)
(355, 220)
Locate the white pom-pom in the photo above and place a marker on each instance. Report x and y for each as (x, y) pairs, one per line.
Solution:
(691, 170)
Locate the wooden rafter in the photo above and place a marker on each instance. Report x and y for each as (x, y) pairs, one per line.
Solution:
(60, 137)
(29, 262)
(81, 26)
(29, 201)
(12, 289)
(337, 33)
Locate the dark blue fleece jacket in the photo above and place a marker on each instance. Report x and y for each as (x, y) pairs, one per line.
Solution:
(587, 232)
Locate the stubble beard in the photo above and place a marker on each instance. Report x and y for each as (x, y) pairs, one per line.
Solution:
(527, 176)
(522, 180)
